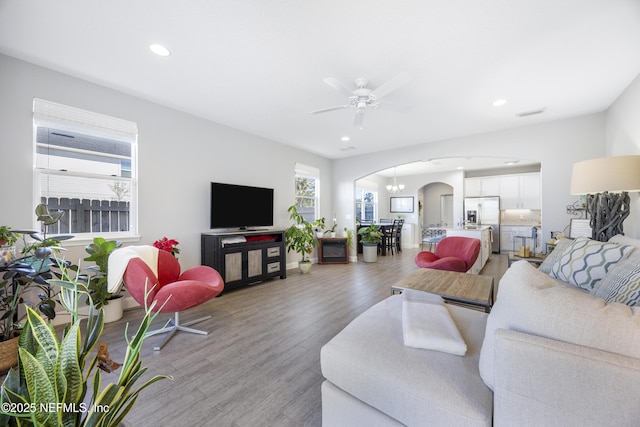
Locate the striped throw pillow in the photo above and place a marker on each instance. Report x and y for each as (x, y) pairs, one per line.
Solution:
(587, 261)
(622, 283)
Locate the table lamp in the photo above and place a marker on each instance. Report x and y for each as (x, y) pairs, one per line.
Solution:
(606, 182)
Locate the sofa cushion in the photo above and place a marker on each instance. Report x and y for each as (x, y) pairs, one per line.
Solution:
(530, 301)
(622, 284)
(589, 387)
(556, 253)
(586, 261)
(369, 360)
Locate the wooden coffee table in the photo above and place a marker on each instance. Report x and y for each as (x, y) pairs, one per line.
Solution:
(463, 288)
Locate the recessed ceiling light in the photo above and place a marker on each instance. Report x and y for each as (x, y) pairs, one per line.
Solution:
(159, 50)
(345, 138)
(460, 168)
(499, 102)
(511, 162)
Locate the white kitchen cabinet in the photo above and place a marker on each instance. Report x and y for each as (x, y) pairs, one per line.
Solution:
(482, 187)
(520, 191)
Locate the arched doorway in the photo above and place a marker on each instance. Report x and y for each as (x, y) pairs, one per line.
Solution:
(436, 205)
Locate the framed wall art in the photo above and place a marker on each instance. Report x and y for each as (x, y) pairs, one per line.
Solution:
(401, 204)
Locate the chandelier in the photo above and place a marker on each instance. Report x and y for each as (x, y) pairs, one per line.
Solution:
(395, 188)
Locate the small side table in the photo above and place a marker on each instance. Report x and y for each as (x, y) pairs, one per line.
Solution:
(535, 260)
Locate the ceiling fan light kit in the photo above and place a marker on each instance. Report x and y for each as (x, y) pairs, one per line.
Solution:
(362, 97)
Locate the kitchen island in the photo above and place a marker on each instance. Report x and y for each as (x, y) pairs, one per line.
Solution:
(481, 232)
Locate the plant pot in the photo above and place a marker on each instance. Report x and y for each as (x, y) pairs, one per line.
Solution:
(370, 252)
(304, 267)
(113, 311)
(8, 354)
(7, 254)
(332, 234)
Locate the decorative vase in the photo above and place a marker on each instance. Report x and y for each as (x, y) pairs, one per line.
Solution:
(8, 354)
(370, 252)
(304, 267)
(113, 311)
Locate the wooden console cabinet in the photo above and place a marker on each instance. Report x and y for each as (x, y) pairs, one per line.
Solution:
(245, 257)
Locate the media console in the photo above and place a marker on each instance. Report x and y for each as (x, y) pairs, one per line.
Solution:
(245, 257)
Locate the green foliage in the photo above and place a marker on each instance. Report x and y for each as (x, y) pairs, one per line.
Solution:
(7, 236)
(34, 268)
(371, 234)
(99, 251)
(299, 236)
(349, 234)
(55, 374)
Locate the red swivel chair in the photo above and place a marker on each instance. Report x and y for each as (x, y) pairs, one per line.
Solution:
(173, 292)
(452, 254)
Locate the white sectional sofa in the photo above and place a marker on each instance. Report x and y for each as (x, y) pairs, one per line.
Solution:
(548, 354)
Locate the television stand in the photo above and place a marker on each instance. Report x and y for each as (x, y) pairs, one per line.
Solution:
(245, 257)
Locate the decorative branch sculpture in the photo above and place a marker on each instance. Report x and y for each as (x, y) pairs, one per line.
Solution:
(608, 212)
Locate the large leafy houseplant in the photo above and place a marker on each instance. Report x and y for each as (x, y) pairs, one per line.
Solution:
(99, 250)
(54, 375)
(300, 235)
(32, 268)
(371, 235)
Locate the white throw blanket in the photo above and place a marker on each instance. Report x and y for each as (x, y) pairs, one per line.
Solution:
(119, 259)
(427, 324)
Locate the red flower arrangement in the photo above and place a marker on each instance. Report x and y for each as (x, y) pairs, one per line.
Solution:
(168, 245)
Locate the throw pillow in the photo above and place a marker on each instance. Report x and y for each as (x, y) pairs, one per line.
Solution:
(552, 257)
(531, 302)
(622, 284)
(625, 240)
(587, 261)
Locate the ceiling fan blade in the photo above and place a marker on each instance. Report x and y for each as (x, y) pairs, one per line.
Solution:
(358, 119)
(392, 85)
(325, 110)
(337, 85)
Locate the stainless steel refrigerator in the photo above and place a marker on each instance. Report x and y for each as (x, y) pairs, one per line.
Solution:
(484, 211)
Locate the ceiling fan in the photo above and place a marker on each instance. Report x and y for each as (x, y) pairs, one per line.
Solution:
(363, 97)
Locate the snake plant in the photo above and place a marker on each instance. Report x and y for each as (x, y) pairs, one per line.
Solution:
(51, 385)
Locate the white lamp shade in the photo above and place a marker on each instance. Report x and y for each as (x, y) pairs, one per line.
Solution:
(612, 174)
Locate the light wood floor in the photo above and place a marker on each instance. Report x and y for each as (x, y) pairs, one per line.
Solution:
(260, 363)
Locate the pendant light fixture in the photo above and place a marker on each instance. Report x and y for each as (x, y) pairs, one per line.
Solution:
(395, 188)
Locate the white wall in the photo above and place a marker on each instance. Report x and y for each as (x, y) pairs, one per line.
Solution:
(556, 145)
(623, 138)
(179, 156)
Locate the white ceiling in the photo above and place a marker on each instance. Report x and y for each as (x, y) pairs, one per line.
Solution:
(259, 65)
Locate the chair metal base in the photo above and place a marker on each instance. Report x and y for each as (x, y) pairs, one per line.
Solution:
(173, 325)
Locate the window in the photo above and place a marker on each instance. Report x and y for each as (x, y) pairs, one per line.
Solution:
(86, 165)
(366, 205)
(307, 191)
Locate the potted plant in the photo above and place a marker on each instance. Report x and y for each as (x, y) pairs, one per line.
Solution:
(7, 248)
(32, 268)
(300, 238)
(370, 237)
(168, 245)
(318, 227)
(348, 233)
(99, 250)
(332, 230)
(58, 373)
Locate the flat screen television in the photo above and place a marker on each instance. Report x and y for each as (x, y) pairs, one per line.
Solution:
(240, 206)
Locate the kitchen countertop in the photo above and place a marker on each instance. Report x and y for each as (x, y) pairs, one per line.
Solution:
(478, 228)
